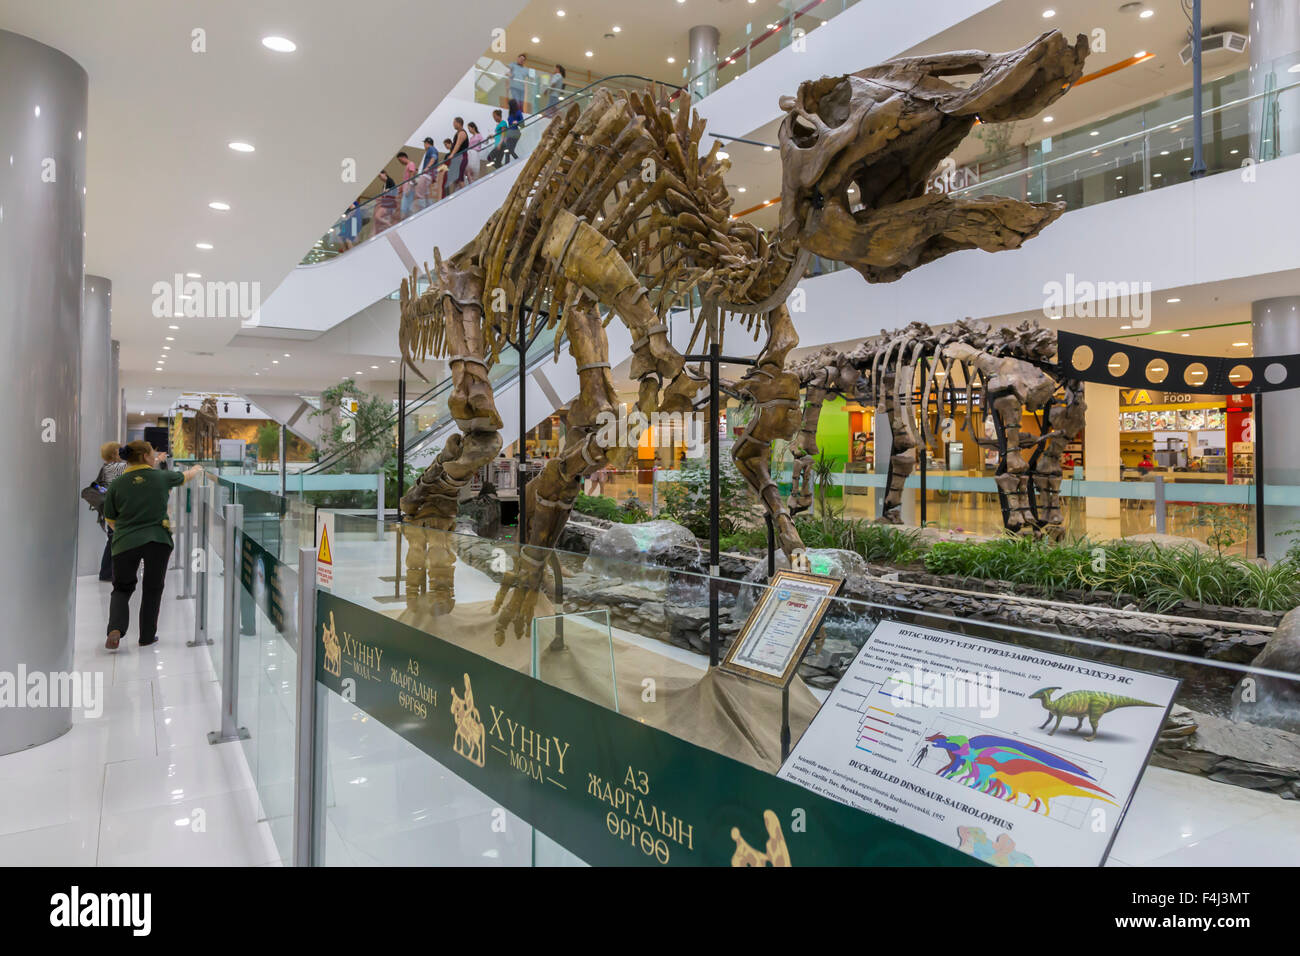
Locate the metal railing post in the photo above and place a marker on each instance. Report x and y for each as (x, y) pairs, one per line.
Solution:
(309, 765)
(201, 637)
(187, 545)
(1159, 495)
(230, 729)
(173, 518)
(379, 507)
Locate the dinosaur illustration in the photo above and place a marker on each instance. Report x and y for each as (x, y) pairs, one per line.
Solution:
(1009, 769)
(999, 852)
(618, 209)
(1082, 703)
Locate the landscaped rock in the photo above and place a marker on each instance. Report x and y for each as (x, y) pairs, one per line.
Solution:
(1229, 751)
(1273, 701)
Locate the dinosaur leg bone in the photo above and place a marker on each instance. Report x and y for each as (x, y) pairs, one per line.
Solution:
(588, 439)
(775, 393)
(902, 456)
(430, 506)
(591, 261)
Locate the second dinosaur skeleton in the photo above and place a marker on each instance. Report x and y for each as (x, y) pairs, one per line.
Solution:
(618, 209)
(922, 378)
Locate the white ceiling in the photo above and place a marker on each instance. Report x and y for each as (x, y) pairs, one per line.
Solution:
(161, 116)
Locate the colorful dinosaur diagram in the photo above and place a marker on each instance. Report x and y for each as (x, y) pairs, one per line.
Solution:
(1082, 703)
(999, 852)
(1009, 769)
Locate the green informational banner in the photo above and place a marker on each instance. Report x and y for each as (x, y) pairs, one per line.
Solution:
(266, 579)
(610, 789)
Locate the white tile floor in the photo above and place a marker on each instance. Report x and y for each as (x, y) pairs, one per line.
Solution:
(140, 785)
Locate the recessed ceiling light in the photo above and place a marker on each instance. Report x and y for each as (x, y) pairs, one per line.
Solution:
(1187, 335)
(723, 154)
(1048, 14)
(589, 53)
(173, 327)
(1126, 327)
(537, 39)
(672, 59)
(167, 348)
(279, 44)
(1173, 301)
(286, 354)
(559, 13)
(1147, 14)
(171, 338)
(1156, 175)
(1094, 133)
(616, 30)
(740, 189)
(202, 245)
(1139, 54)
(1239, 345)
(241, 147)
(1048, 119)
(767, 149)
(358, 372)
(193, 275)
(275, 361)
(374, 366)
(1164, 152)
(219, 206)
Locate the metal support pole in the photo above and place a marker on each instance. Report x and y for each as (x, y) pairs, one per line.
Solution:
(771, 547)
(284, 461)
(173, 519)
(186, 546)
(309, 737)
(401, 437)
(201, 637)
(1198, 154)
(924, 456)
(521, 478)
(785, 722)
(379, 507)
(1159, 495)
(230, 729)
(715, 481)
(1260, 532)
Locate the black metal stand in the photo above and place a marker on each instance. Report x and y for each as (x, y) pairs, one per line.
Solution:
(401, 478)
(771, 548)
(925, 455)
(715, 358)
(1258, 412)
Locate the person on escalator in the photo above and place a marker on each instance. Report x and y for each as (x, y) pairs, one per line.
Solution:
(514, 124)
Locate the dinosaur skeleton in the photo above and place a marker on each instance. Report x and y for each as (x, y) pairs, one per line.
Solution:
(616, 208)
(922, 377)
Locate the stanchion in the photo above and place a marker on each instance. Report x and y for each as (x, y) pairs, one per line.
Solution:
(201, 637)
(173, 521)
(187, 545)
(230, 729)
(309, 738)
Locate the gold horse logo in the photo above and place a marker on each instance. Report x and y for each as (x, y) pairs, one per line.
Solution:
(470, 738)
(778, 854)
(333, 650)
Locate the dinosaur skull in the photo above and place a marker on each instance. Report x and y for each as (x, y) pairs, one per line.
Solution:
(856, 152)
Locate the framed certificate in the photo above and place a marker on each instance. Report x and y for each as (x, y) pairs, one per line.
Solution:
(778, 629)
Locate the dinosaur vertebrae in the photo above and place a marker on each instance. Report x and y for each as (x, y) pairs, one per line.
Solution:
(921, 378)
(634, 175)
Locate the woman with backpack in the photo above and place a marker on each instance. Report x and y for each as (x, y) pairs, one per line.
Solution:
(93, 495)
(136, 509)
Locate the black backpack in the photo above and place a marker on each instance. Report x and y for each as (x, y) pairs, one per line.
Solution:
(94, 493)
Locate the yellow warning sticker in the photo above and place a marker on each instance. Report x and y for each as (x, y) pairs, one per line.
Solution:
(323, 555)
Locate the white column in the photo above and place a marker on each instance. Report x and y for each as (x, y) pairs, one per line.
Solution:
(42, 260)
(97, 408)
(1101, 457)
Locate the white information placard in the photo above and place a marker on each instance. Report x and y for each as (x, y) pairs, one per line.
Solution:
(1017, 756)
(778, 629)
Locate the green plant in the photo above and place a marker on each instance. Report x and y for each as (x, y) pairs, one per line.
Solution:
(606, 508)
(1228, 524)
(268, 441)
(360, 442)
(686, 500)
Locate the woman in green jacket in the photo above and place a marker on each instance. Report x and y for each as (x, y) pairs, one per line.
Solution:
(135, 506)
